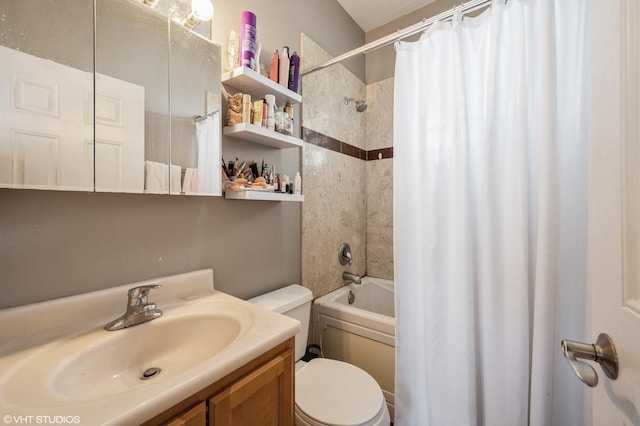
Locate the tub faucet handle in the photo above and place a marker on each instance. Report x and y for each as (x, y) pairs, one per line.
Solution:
(344, 254)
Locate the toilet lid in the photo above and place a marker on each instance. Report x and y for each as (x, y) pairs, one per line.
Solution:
(336, 393)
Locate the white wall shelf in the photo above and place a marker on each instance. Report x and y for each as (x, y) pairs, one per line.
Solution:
(262, 196)
(247, 80)
(256, 134)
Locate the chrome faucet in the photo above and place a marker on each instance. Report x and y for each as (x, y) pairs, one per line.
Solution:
(139, 309)
(354, 278)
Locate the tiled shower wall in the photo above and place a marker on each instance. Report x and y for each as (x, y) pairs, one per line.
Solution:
(347, 198)
(379, 175)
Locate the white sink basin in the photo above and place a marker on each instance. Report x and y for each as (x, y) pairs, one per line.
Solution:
(63, 368)
(117, 361)
(98, 363)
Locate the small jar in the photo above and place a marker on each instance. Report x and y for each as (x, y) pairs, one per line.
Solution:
(279, 121)
(287, 124)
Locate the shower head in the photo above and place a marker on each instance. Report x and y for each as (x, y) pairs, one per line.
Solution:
(361, 106)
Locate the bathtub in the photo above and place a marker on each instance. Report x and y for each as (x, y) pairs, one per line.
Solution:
(362, 332)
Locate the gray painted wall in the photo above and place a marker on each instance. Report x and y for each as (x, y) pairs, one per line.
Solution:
(55, 244)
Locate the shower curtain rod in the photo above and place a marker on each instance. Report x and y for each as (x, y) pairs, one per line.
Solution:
(467, 7)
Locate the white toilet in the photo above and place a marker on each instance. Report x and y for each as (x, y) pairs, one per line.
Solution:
(328, 392)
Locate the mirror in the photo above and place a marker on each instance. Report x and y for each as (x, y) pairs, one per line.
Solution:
(195, 112)
(157, 99)
(157, 96)
(46, 90)
(132, 98)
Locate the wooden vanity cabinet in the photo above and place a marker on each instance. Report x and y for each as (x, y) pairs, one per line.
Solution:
(263, 396)
(260, 392)
(196, 416)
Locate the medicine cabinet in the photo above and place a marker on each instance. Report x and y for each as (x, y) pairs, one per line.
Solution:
(138, 114)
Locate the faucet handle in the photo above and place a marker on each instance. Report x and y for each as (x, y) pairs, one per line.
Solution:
(344, 254)
(140, 295)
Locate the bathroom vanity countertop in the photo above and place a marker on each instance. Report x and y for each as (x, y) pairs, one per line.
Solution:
(56, 358)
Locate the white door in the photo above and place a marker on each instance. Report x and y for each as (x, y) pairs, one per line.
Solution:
(614, 216)
(45, 140)
(119, 147)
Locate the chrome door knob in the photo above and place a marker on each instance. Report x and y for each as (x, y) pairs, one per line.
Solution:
(603, 352)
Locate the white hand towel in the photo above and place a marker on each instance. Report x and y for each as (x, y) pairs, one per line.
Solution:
(208, 136)
(156, 177)
(176, 179)
(190, 184)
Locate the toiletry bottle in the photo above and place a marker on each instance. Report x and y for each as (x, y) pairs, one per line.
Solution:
(233, 54)
(264, 114)
(273, 71)
(294, 72)
(288, 109)
(248, 40)
(271, 111)
(256, 63)
(297, 184)
(257, 112)
(246, 108)
(283, 66)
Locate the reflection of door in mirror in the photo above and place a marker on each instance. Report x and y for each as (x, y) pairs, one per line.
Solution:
(46, 83)
(119, 146)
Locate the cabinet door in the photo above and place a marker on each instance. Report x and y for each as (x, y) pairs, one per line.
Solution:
(196, 416)
(264, 396)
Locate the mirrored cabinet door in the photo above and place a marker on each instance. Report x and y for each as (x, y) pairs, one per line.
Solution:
(132, 98)
(195, 113)
(46, 91)
(153, 124)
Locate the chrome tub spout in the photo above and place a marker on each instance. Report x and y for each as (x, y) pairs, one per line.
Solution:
(354, 278)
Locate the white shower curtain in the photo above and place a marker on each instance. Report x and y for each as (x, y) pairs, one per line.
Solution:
(490, 172)
(208, 137)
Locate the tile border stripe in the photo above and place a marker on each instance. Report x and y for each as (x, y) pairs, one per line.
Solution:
(318, 139)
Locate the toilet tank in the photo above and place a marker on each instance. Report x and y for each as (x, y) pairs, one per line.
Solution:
(293, 301)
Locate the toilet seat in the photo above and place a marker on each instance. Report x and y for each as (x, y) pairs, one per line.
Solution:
(330, 392)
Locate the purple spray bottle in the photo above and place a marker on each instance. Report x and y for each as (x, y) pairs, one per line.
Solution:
(248, 40)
